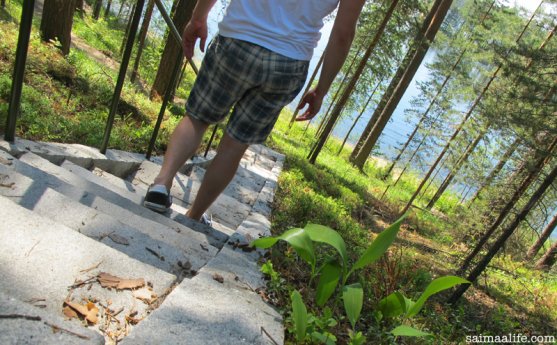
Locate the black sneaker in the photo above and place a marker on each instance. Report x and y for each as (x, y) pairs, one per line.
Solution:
(157, 198)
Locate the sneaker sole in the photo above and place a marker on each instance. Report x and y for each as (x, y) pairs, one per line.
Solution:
(155, 207)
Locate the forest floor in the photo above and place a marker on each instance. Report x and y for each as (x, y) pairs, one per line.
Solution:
(65, 100)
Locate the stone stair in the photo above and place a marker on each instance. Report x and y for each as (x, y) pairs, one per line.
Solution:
(70, 213)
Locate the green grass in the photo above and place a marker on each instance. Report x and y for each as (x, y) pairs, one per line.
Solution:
(334, 193)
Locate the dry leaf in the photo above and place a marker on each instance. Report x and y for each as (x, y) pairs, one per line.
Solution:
(119, 239)
(109, 281)
(89, 311)
(145, 294)
(69, 312)
(218, 278)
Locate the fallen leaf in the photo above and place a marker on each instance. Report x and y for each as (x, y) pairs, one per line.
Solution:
(119, 239)
(69, 312)
(145, 294)
(109, 281)
(88, 311)
(218, 278)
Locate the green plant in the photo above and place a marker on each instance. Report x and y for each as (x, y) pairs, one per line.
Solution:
(335, 270)
(396, 304)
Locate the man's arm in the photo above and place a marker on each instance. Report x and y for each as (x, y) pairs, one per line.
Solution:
(197, 27)
(336, 52)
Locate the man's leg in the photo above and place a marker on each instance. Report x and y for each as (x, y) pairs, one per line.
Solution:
(218, 175)
(183, 143)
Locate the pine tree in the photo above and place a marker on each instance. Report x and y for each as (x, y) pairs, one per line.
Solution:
(141, 39)
(548, 259)
(57, 21)
(351, 84)
(544, 236)
(393, 99)
(183, 12)
(505, 234)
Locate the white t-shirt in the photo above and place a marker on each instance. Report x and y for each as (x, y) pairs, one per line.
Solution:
(287, 27)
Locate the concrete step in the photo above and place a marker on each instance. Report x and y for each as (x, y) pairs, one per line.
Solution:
(204, 310)
(217, 235)
(194, 245)
(226, 209)
(46, 261)
(142, 246)
(22, 323)
(245, 186)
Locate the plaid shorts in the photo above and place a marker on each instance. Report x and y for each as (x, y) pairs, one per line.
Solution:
(253, 79)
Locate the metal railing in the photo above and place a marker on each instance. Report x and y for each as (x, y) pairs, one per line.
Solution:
(21, 57)
(19, 67)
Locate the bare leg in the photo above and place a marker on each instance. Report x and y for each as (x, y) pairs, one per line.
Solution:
(183, 143)
(218, 175)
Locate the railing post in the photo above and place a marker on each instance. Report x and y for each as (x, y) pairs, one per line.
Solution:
(167, 95)
(122, 74)
(19, 68)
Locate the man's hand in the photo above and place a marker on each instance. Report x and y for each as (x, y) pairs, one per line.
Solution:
(194, 30)
(313, 99)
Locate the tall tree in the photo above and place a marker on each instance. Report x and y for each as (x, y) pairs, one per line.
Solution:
(57, 21)
(466, 117)
(497, 169)
(97, 9)
(403, 66)
(107, 9)
(548, 259)
(540, 161)
(79, 5)
(141, 39)
(364, 108)
(435, 98)
(127, 31)
(506, 233)
(544, 236)
(351, 84)
(457, 166)
(172, 48)
(394, 99)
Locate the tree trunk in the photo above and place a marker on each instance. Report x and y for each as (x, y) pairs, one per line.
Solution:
(468, 114)
(542, 239)
(127, 31)
(142, 36)
(337, 92)
(351, 84)
(3, 3)
(497, 169)
(97, 9)
(531, 177)
(310, 81)
(359, 115)
(78, 5)
(507, 232)
(548, 259)
(183, 12)
(458, 165)
(403, 66)
(394, 99)
(56, 22)
(107, 10)
(122, 4)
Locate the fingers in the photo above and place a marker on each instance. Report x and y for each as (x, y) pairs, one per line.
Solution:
(202, 43)
(188, 49)
(307, 115)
